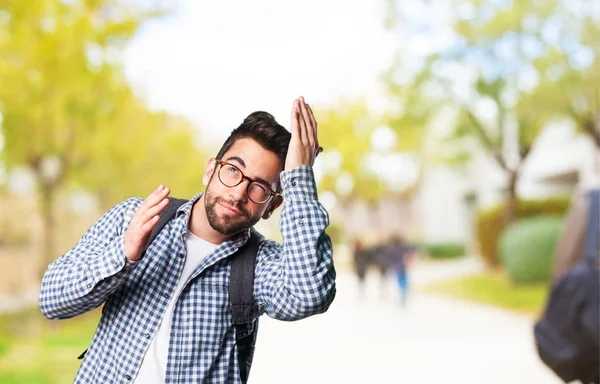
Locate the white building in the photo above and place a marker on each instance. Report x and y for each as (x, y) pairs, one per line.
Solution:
(560, 162)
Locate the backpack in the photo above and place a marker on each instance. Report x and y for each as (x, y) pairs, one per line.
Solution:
(567, 335)
(241, 290)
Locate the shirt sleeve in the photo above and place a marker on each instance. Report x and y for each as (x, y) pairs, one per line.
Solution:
(84, 277)
(297, 279)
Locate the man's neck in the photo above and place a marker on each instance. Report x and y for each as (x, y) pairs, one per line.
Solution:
(200, 226)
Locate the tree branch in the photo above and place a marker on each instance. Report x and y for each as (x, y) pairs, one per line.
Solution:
(478, 127)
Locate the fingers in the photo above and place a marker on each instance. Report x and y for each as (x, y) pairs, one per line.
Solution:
(294, 120)
(150, 224)
(302, 120)
(152, 206)
(153, 211)
(315, 132)
(153, 198)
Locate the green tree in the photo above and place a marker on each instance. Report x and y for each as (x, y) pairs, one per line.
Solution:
(509, 68)
(138, 151)
(412, 116)
(347, 142)
(60, 74)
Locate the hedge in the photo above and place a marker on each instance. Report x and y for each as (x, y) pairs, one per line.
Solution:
(526, 248)
(490, 223)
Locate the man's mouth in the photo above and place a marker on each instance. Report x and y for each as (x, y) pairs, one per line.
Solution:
(233, 211)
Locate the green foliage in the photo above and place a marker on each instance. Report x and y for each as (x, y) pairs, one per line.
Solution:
(59, 81)
(64, 101)
(492, 288)
(138, 152)
(513, 67)
(348, 138)
(444, 250)
(490, 223)
(567, 84)
(527, 248)
(43, 351)
(5, 341)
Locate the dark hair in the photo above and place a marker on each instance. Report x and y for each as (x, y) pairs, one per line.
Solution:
(265, 130)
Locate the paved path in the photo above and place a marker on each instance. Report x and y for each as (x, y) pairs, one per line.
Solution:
(374, 340)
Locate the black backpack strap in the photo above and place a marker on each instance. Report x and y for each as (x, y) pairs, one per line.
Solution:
(241, 295)
(592, 236)
(166, 215)
(163, 218)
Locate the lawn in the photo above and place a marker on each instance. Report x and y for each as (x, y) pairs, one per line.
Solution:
(34, 350)
(494, 288)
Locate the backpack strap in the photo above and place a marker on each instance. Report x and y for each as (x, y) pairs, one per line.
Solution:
(592, 241)
(163, 218)
(241, 296)
(166, 215)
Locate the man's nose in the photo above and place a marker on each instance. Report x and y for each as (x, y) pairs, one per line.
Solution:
(238, 193)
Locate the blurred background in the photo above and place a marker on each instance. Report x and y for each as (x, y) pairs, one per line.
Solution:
(465, 127)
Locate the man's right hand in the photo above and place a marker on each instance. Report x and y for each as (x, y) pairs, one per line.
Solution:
(137, 237)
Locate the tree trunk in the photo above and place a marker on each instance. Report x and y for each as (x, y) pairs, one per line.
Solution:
(589, 127)
(512, 199)
(47, 255)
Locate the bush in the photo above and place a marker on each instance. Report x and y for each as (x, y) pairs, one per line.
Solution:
(490, 223)
(444, 250)
(527, 247)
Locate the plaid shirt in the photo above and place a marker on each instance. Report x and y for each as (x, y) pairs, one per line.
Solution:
(293, 281)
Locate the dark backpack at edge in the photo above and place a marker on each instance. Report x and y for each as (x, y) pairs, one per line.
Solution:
(567, 335)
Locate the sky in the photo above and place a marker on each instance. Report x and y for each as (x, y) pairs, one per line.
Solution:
(216, 62)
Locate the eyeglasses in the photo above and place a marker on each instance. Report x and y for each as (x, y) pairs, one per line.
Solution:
(231, 176)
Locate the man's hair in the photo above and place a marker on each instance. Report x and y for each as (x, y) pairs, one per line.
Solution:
(265, 130)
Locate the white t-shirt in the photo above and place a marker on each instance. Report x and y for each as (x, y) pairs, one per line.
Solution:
(154, 365)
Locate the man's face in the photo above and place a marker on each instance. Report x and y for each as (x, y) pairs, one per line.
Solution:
(228, 209)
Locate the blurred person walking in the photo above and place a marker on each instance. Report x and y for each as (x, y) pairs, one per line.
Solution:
(401, 255)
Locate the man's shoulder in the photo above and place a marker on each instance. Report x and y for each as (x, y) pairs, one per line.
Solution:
(267, 248)
(124, 209)
(128, 204)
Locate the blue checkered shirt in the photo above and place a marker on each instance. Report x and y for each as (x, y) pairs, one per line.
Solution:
(293, 280)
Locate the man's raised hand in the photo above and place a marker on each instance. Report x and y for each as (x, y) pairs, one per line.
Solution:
(304, 144)
(137, 237)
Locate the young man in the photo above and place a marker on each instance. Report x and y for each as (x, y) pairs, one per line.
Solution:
(167, 316)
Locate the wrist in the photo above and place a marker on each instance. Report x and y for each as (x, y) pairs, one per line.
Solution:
(131, 255)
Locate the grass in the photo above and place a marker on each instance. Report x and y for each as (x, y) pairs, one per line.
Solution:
(494, 288)
(34, 350)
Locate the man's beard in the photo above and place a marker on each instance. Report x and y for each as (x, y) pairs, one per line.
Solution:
(224, 224)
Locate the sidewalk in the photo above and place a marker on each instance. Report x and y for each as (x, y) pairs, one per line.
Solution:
(374, 340)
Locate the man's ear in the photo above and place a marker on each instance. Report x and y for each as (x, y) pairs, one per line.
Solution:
(210, 169)
(273, 205)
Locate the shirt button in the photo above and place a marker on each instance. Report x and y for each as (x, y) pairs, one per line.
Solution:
(300, 222)
(166, 295)
(294, 183)
(181, 255)
(128, 377)
(89, 285)
(147, 335)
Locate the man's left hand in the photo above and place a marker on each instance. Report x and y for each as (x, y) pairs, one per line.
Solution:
(304, 144)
